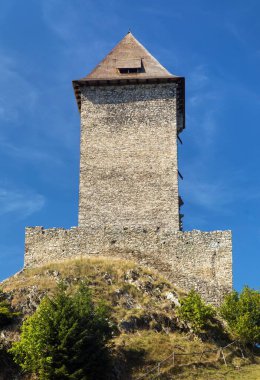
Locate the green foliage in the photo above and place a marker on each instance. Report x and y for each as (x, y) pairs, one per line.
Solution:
(66, 338)
(194, 311)
(242, 313)
(6, 313)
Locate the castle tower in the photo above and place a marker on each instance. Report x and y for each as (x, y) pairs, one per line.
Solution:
(132, 110)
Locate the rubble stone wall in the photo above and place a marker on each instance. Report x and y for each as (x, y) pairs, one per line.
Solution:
(194, 259)
(128, 156)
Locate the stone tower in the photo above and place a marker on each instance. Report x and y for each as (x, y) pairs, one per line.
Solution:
(132, 110)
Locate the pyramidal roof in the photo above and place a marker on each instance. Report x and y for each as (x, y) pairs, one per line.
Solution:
(129, 62)
(128, 59)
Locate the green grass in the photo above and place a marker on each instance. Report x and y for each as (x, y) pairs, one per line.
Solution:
(249, 372)
(108, 279)
(135, 295)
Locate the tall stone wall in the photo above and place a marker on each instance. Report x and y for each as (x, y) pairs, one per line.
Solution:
(128, 158)
(195, 259)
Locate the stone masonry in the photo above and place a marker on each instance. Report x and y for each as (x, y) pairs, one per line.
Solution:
(128, 163)
(193, 259)
(132, 112)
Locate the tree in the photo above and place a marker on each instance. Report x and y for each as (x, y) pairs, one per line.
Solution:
(242, 314)
(66, 338)
(193, 310)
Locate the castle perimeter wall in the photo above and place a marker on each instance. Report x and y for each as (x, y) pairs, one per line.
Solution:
(194, 259)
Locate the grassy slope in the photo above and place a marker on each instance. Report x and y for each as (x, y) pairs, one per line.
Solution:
(142, 307)
(250, 372)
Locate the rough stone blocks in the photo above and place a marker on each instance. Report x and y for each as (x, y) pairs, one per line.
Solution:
(128, 156)
(195, 259)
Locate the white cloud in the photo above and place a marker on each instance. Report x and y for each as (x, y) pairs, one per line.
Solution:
(28, 153)
(76, 22)
(215, 193)
(17, 94)
(236, 32)
(205, 100)
(212, 196)
(68, 20)
(60, 17)
(199, 77)
(19, 202)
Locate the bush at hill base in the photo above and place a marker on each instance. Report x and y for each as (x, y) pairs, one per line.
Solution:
(66, 338)
(242, 314)
(194, 311)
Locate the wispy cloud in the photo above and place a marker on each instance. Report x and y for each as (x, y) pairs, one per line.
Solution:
(203, 105)
(218, 194)
(214, 196)
(68, 20)
(19, 202)
(17, 94)
(205, 102)
(71, 22)
(61, 17)
(199, 77)
(236, 32)
(21, 100)
(28, 153)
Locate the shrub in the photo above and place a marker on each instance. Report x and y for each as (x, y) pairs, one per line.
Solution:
(193, 310)
(65, 338)
(242, 314)
(6, 313)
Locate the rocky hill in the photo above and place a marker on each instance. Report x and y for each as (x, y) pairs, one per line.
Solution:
(143, 307)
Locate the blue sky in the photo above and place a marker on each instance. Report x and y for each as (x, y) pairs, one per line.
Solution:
(45, 44)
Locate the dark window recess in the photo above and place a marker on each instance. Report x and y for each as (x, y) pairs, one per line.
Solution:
(130, 70)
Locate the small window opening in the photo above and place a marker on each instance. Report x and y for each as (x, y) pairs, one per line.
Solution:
(130, 66)
(130, 70)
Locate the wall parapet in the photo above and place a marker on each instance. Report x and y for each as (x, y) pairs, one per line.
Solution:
(189, 259)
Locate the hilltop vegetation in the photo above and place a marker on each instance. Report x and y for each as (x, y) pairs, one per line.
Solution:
(144, 311)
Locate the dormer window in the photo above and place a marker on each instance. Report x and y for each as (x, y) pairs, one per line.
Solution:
(130, 66)
(129, 70)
